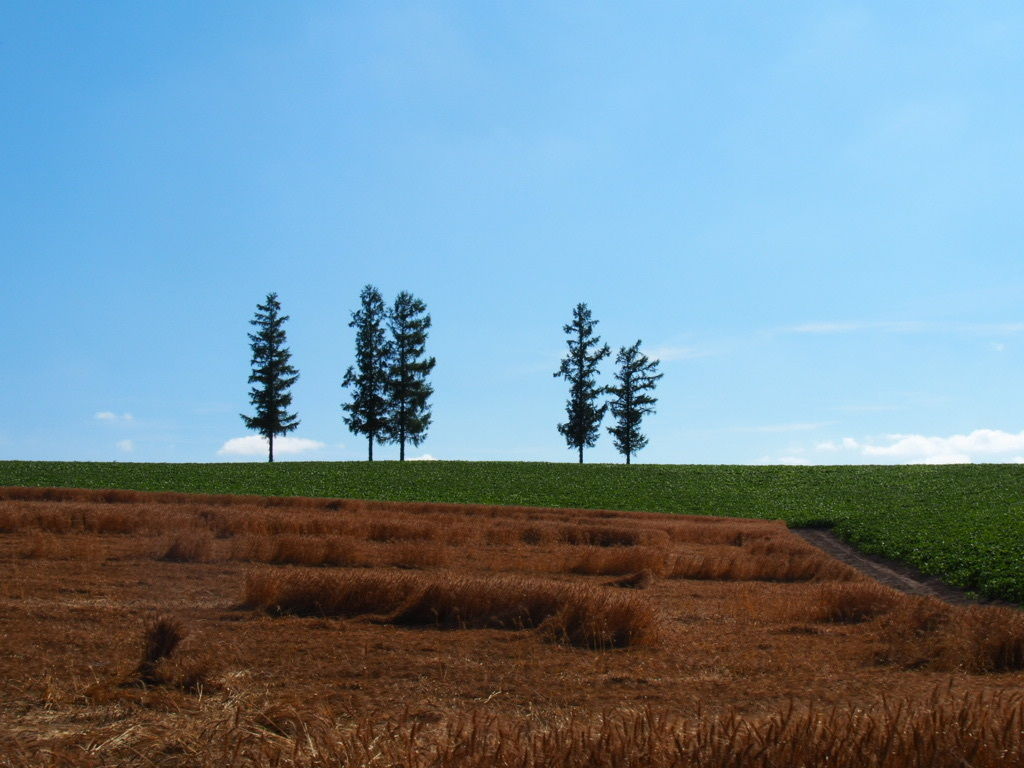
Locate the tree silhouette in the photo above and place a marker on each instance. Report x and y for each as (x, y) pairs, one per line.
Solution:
(368, 380)
(579, 368)
(636, 377)
(271, 374)
(407, 386)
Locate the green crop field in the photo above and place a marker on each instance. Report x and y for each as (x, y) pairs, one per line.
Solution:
(964, 523)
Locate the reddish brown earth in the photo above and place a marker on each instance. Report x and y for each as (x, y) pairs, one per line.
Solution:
(82, 574)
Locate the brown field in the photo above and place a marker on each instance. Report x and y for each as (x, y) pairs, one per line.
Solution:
(172, 630)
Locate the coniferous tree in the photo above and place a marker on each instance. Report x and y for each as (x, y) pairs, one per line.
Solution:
(635, 378)
(271, 374)
(368, 409)
(579, 368)
(407, 387)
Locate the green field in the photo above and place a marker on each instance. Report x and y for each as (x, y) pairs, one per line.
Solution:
(962, 522)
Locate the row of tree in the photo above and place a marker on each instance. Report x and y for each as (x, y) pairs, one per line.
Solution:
(390, 392)
(630, 401)
(388, 383)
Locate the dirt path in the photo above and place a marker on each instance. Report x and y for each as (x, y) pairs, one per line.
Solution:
(889, 572)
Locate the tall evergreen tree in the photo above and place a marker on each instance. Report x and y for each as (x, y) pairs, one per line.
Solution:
(368, 409)
(407, 387)
(272, 374)
(579, 368)
(635, 378)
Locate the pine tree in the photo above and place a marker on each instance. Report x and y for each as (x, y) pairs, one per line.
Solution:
(271, 373)
(631, 402)
(368, 409)
(579, 368)
(407, 387)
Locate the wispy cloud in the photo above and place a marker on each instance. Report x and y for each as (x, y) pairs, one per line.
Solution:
(801, 426)
(110, 416)
(852, 327)
(424, 457)
(128, 446)
(255, 445)
(670, 353)
(789, 461)
(904, 326)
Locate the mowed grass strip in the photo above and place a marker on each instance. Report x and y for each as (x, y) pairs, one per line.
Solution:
(964, 523)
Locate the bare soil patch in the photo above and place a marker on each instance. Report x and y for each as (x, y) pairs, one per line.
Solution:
(893, 574)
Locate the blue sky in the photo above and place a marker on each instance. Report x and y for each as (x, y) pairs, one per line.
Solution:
(810, 211)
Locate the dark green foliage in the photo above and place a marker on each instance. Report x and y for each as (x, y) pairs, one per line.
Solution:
(635, 378)
(962, 522)
(368, 380)
(579, 368)
(407, 387)
(271, 374)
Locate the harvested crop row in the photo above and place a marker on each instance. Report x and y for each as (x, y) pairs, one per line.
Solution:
(940, 731)
(63, 511)
(580, 615)
(916, 632)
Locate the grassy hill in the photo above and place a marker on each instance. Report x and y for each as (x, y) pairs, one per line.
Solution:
(962, 522)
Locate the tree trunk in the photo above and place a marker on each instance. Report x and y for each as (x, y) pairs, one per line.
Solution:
(401, 448)
(581, 454)
(271, 459)
(627, 459)
(371, 448)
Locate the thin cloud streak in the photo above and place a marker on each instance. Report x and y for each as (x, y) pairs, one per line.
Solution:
(667, 354)
(904, 326)
(804, 426)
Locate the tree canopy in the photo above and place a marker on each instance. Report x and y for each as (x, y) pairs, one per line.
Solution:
(368, 379)
(580, 368)
(635, 378)
(407, 386)
(272, 375)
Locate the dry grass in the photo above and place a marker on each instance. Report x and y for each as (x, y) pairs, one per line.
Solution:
(742, 565)
(760, 652)
(190, 547)
(617, 560)
(581, 615)
(853, 602)
(160, 639)
(921, 632)
(639, 580)
(319, 593)
(943, 730)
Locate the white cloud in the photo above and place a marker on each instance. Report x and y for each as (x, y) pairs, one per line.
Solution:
(256, 445)
(997, 346)
(981, 444)
(424, 457)
(111, 416)
(126, 445)
(847, 443)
